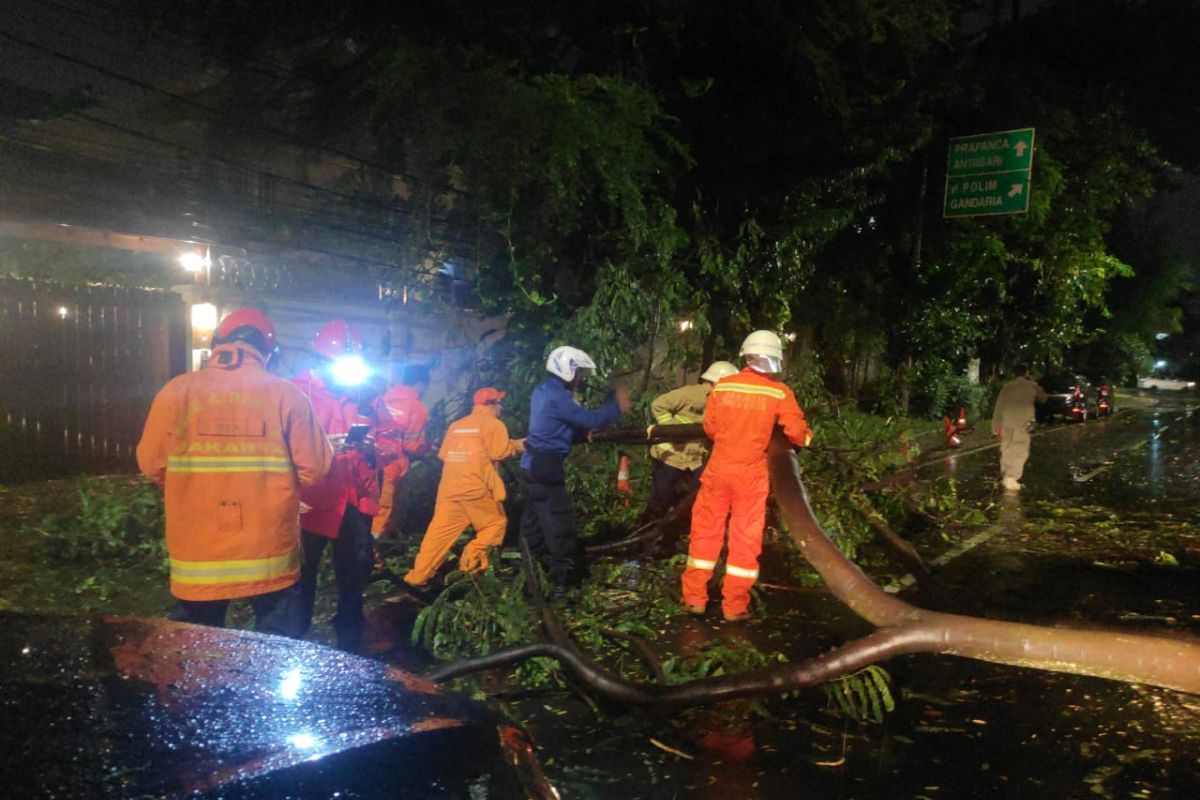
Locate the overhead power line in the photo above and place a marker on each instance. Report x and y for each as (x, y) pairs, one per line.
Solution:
(286, 136)
(314, 216)
(306, 216)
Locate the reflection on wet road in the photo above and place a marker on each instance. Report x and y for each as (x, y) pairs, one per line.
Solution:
(1103, 534)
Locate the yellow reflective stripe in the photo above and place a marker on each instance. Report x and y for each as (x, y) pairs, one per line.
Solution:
(749, 388)
(228, 464)
(664, 419)
(700, 563)
(234, 571)
(738, 572)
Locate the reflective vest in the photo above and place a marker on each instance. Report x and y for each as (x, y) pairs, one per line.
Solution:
(232, 445)
(682, 406)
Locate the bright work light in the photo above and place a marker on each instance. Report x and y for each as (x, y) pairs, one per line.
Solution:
(192, 261)
(204, 317)
(350, 370)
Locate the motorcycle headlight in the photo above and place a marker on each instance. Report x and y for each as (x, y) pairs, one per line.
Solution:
(350, 370)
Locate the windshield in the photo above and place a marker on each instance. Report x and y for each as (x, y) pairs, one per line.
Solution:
(1058, 384)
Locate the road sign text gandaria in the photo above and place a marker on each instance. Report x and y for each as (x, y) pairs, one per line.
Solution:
(989, 173)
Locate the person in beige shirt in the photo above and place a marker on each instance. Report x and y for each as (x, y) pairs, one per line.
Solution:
(677, 465)
(1012, 422)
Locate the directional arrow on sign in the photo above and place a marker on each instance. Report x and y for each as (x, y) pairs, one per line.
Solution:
(989, 173)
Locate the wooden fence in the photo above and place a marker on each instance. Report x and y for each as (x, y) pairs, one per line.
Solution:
(79, 366)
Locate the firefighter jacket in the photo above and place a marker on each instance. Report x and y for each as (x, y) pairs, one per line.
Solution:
(469, 452)
(403, 433)
(1014, 405)
(232, 445)
(556, 421)
(741, 416)
(352, 480)
(682, 406)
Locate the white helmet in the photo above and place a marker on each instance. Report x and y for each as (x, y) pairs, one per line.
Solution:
(565, 361)
(762, 343)
(763, 351)
(718, 370)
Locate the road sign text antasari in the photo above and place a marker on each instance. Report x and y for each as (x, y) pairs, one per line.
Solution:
(989, 173)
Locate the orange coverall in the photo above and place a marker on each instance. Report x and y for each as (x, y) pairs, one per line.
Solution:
(740, 418)
(403, 436)
(471, 492)
(232, 445)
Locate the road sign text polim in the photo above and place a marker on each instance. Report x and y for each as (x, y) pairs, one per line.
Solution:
(989, 173)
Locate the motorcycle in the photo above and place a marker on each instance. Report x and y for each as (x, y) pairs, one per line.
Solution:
(1105, 403)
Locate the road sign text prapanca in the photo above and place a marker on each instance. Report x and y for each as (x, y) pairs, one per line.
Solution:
(989, 173)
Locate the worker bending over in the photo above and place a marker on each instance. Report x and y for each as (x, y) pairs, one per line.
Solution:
(471, 491)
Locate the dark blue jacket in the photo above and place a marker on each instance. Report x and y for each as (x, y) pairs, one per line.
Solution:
(556, 421)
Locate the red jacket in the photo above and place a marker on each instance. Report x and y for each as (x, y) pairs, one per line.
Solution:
(233, 446)
(351, 481)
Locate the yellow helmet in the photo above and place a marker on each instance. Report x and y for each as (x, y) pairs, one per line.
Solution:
(718, 370)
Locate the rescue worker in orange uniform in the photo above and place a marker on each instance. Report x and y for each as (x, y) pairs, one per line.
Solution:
(471, 491)
(742, 412)
(678, 466)
(340, 507)
(404, 437)
(232, 445)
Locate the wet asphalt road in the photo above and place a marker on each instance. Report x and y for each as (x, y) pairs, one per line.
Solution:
(1104, 534)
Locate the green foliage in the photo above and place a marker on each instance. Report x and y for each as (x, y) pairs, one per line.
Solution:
(600, 509)
(849, 450)
(716, 657)
(476, 613)
(79, 264)
(938, 388)
(109, 520)
(863, 696)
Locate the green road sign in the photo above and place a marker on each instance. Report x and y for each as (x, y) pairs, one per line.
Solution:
(989, 173)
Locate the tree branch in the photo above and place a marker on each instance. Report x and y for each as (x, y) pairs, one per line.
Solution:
(1173, 663)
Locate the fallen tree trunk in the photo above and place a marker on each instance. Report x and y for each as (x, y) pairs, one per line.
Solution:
(1173, 663)
(900, 550)
(1136, 658)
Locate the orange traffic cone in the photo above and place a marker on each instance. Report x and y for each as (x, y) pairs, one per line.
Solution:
(952, 439)
(962, 420)
(623, 477)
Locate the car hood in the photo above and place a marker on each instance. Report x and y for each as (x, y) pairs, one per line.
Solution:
(127, 707)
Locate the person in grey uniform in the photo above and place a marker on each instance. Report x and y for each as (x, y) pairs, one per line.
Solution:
(1012, 422)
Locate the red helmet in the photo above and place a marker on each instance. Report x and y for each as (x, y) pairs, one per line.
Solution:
(247, 325)
(335, 339)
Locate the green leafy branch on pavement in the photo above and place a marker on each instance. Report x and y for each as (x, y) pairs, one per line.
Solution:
(109, 519)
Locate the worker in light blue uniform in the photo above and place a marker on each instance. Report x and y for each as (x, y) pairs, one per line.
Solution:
(556, 422)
